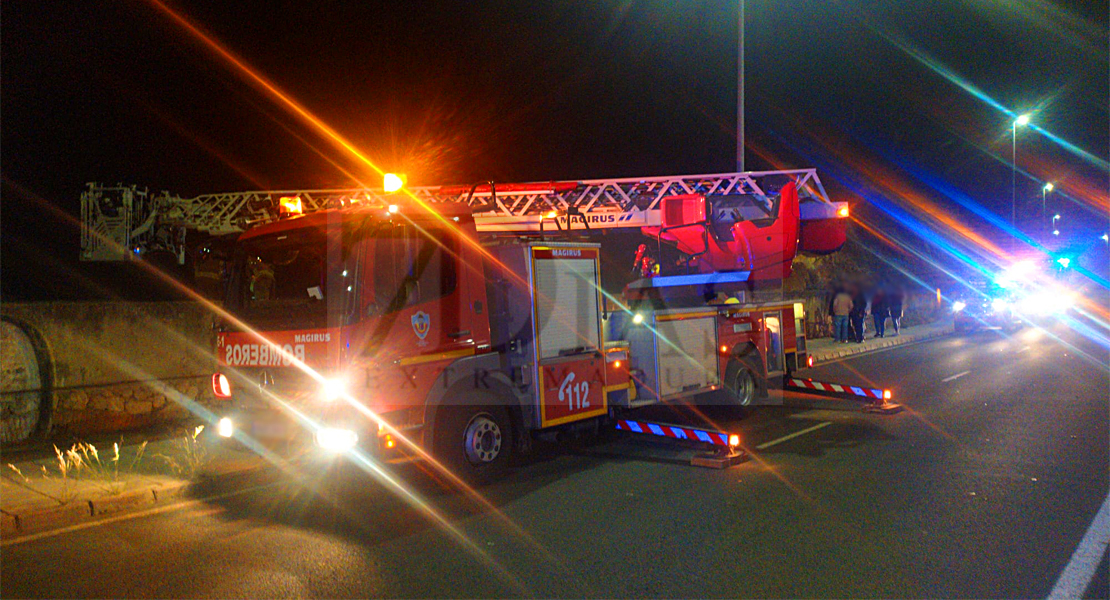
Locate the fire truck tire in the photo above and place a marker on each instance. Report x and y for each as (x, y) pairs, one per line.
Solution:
(743, 381)
(744, 386)
(475, 442)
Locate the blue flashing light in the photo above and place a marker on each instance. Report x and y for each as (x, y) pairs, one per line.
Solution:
(696, 279)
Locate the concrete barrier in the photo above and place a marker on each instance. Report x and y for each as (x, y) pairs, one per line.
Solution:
(94, 367)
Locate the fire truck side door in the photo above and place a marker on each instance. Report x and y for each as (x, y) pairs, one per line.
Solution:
(416, 288)
(413, 312)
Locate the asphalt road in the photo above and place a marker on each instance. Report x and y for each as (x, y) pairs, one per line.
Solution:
(983, 488)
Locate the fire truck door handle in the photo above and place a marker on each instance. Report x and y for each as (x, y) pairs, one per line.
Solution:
(459, 334)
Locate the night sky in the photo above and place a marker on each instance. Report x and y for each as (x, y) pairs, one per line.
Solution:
(453, 92)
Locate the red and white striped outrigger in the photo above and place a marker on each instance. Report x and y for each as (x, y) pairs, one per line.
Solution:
(724, 447)
(874, 399)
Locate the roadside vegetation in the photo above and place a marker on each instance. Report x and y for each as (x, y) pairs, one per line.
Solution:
(82, 470)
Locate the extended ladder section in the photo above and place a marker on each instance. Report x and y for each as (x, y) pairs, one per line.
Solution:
(122, 222)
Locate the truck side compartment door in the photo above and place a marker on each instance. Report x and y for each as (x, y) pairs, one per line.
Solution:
(571, 367)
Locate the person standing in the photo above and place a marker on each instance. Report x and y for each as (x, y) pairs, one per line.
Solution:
(841, 308)
(894, 303)
(858, 317)
(879, 311)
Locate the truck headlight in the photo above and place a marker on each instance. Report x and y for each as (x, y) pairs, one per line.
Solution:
(225, 427)
(958, 305)
(336, 440)
(999, 304)
(334, 388)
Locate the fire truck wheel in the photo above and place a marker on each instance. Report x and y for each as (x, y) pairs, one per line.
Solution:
(476, 442)
(744, 386)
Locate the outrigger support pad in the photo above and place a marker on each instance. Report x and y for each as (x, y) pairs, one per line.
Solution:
(724, 447)
(720, 458)
(874, 400)
(884, 407)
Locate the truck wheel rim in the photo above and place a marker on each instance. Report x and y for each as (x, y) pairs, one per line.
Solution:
(745, 387)
(483, 440)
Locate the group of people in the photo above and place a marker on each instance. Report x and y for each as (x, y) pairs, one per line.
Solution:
(850, 306)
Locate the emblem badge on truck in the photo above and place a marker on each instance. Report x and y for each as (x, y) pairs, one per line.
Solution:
(421, 324)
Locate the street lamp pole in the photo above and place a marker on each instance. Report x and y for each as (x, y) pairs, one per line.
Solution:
(1022, 120)
(1044, 194)
(740, 94)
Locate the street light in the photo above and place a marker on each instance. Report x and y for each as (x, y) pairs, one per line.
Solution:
(1021, 121)
(1054, 218)
(1048, 187)
(740, 92)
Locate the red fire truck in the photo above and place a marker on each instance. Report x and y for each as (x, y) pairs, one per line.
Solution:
(468, 320)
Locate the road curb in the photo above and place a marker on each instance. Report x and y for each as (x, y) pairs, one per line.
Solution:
(80, 511)
(833, 354)
(46, 518)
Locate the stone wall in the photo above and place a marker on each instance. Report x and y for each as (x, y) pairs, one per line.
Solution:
(107, 366)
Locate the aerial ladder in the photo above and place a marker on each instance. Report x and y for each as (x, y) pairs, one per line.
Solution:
(716, 219)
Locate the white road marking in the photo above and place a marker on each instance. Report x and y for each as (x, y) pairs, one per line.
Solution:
(955, 377)
(793, 435)
(127, 517)
(1081, 569)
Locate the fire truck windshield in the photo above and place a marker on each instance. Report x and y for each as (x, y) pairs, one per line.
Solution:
(291, 280)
